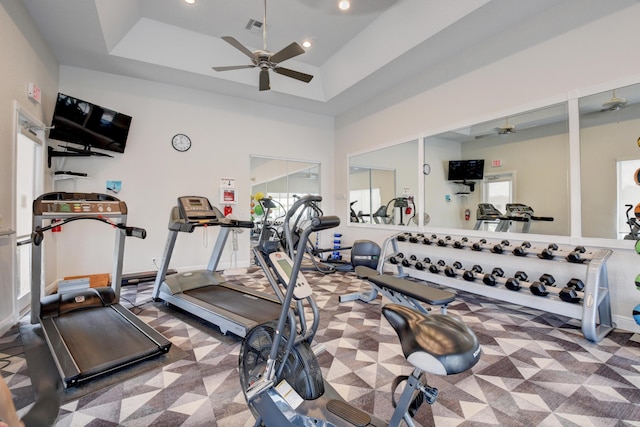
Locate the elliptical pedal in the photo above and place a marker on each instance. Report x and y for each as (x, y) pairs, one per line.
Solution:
(348, 413)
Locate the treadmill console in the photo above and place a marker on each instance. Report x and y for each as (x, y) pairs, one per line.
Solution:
(284, 267)
(197, 209)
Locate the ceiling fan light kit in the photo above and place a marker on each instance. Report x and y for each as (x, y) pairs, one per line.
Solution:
(265, 60)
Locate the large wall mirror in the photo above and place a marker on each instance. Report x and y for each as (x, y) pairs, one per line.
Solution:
(609, 159)
(514, 166)
(383, 185)
(282, 181)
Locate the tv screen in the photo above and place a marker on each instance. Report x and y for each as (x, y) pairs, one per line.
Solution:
(81, 122)
(463, 170)
(474, 170)
(456, 170)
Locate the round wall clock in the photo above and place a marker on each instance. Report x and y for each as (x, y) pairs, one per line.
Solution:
(181, 142)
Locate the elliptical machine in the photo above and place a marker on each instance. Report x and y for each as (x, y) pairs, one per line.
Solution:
(279, 372)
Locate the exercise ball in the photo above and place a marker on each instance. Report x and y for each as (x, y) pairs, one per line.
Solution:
(638, 282)
(638, 246)
(258, 210)
(636, 314)
(259, 195)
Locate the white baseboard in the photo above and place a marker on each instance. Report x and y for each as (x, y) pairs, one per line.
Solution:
(627, 324)
(6, 324)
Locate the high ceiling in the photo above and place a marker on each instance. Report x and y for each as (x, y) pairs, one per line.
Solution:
(374, 52)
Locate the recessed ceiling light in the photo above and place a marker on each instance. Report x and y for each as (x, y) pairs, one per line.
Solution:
(344, 4)
(306, 43)
(190, 1)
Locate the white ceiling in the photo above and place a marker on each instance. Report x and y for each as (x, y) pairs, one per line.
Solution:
(378, 52)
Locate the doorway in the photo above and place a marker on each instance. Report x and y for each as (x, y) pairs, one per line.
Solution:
(28, 184)
(497, 189)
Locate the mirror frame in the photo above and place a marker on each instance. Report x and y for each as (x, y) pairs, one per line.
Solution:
(572, 99)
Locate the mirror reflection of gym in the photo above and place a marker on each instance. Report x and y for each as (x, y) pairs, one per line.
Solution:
(383, 186)
(532, 146)
(609, 152)
(281, 180)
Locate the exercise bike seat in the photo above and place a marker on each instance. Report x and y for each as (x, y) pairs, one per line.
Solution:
(435, 343)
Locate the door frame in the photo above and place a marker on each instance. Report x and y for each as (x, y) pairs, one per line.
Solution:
(24, 121)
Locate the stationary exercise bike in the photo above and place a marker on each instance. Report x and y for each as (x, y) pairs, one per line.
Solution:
(634, 225)
(279, 372)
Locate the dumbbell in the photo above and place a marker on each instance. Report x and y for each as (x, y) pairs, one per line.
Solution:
(426, 241)
(547, 253)
(499, 248)
(460, 244)
(397, 258)
(575, 255)
(470, 275)
(522, 249)
(444, 242)
(402, 237)
(434, 268)
(573, 292)
(451, 271)
(513, 283)
(406, 262)
(539, 287)
(490, 279)
(478, 246)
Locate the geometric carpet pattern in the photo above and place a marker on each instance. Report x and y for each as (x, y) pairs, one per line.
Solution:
(536, 368)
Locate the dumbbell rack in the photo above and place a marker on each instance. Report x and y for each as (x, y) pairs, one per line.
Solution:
(594, 310)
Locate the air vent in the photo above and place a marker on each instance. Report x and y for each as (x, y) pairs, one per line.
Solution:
(254, 26)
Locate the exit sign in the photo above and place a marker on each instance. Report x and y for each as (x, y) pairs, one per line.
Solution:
(33, 92)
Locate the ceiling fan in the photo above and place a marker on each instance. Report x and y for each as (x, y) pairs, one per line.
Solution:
(614, 103)
(506, 129)
(266, 60)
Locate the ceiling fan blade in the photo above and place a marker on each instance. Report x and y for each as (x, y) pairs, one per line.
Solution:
(294, 49)
(264, 80)
(293, 74)
(233, 67)
(235, 43)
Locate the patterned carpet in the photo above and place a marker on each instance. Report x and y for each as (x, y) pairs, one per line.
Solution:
(536, 368)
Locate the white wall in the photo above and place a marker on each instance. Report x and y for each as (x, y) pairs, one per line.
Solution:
(224, 132)
(25, 58)
(545, 74)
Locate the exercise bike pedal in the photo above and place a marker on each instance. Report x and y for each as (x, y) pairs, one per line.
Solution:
(348, 413)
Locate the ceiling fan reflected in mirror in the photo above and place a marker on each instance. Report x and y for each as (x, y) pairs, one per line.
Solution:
(265, 60)
(614, 103)
(506, 129)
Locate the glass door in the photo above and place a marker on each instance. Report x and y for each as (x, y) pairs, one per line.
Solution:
(28, 186)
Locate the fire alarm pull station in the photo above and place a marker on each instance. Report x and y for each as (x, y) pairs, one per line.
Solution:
(228, 191)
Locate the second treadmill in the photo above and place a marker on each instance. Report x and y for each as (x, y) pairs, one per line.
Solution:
(206, 293)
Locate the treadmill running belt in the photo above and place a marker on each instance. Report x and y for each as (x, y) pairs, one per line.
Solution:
(247, 306)
(101, 339)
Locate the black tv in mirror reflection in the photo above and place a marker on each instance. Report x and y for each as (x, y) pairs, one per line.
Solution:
(465, 170)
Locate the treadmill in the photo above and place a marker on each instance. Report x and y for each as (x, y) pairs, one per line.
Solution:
(206, 293)
(86, 329)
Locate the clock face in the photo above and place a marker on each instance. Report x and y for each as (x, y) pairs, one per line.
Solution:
(181, 142)
(426, 169)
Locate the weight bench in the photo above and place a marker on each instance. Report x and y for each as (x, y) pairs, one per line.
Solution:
(400, 291)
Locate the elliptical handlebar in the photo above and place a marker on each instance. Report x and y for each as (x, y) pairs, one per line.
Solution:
(324, 222)
(309, 200)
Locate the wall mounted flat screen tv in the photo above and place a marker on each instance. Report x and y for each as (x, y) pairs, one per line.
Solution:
(83, 123)
(465, 170)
